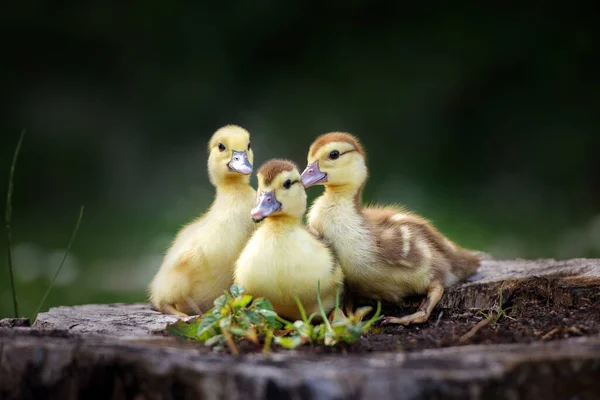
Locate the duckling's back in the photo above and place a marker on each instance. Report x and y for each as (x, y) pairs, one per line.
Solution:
(406, 238)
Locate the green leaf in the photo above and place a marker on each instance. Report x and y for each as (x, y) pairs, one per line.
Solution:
(214, 340)
(267, 313)
(242, 301)
(262, 304)
(238, 331)
(186, 330)
(355, 331)
(254, 316)
(207, 323)
(288, 342)
(225, 323)
(237, 290)
(220, 302)
(243, 319)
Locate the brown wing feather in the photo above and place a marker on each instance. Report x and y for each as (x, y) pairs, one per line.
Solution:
(405, 239)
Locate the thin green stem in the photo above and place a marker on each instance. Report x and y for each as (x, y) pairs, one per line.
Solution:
(8, 219)
(320, 302)
(73, 235)
(301, 309)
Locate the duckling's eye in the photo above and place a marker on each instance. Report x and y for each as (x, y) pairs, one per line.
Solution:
(221, 147)
(287, 184)
(334, 155)
(248, 145)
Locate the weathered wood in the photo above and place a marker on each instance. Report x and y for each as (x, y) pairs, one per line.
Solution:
(14, 323)
(76, 367)
(105, 319)
(117, 351)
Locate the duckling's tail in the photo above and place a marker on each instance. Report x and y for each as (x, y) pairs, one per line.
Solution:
(466, 262)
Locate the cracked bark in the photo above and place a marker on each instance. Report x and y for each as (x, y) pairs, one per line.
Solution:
(116, 351)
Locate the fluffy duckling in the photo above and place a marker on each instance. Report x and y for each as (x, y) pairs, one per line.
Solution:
(283, 259)
(199, 265)
(386, 253)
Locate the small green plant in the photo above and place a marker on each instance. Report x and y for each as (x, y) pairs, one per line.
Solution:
(235, 316)
(495, 313)
(343, 329)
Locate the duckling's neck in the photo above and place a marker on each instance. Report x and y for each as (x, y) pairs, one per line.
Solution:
(282, 221)
(345, 192)
(233, 187)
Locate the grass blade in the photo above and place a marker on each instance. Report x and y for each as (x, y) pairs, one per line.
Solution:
(375, 317)
(320, 302)
(301, 309)
(73, 235)
(8, 219)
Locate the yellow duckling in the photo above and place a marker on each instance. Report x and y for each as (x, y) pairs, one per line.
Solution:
(199, 265)
(386, 253)
(283, 259)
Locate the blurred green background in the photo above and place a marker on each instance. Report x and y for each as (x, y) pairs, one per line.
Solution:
(484, 119)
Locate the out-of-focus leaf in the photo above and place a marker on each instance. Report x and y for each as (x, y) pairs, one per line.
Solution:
(242, 301)
(214, 340)
(186, 330)
(238, 331)
(220, 302)
(262, 304)
(207, 322)
(267, 313)
(225, 323)
(254, 316)
(237, 290)
(288, 342)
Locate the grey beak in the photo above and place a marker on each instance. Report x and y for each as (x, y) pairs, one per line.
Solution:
(312, 175)
(239, 163)
(267, 204)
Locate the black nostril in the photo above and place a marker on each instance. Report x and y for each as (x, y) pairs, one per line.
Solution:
(269, 199)
(310, 171)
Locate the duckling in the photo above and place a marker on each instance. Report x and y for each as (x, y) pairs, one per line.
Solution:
(386, 253)
(283, 259)
(198, 267)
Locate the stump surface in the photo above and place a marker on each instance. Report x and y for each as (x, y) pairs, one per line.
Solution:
(548, 347)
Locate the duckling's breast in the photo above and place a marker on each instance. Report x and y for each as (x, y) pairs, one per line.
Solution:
(356, 248)
(341, 225)
(279, 265)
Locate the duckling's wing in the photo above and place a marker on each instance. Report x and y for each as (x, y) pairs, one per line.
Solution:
(407, 240)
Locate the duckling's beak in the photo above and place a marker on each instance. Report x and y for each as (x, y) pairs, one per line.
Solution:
(239, 163)
(267, 204)
(312, 175)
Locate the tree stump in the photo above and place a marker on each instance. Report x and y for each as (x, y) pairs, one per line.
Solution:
(120, 351)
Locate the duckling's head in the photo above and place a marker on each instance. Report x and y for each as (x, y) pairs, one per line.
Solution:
(280, 192)
(336, 160)
(231, 157)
